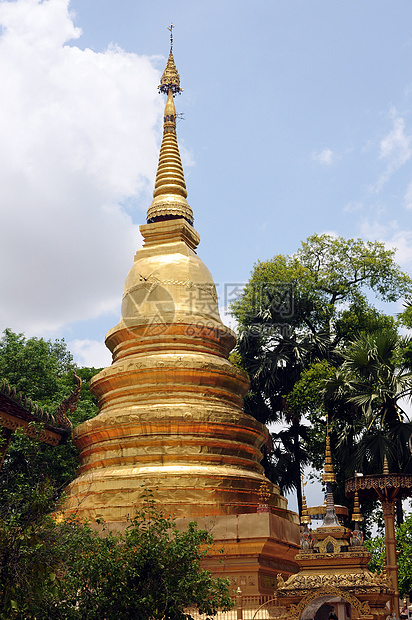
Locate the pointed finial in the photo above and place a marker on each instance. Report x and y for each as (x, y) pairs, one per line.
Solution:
(385, 466)
(329, 478)
(305, 517)
(329, 474)
(171, 36)
(356, 516)
(170, 193)
(170, 80)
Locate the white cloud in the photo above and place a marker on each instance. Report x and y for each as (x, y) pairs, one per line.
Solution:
(395, 149)
(408, 197)
(325, 157)
(402, 241)
(353, 206)
(90, 353)
(331, 233)
(393, 237)
(78, 149)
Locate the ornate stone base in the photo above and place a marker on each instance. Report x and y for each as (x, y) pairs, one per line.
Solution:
(251, 549)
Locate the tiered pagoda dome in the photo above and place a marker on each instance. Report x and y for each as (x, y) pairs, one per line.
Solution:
(171, 417)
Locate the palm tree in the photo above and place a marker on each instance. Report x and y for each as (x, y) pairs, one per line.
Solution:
(274, 364)
(375, 382)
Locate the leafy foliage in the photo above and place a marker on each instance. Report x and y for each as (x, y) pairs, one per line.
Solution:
(295, 316)
(376, 547)
(404, 545)
(306, 398)
(43, 371)
(27, 562)
(63, 570)
(325, 273)
(33, 474)
(375, 380)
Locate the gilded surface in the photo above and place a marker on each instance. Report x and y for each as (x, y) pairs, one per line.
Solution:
(329, 540)
(328, 474)
(333, 568)
(380, 483)
(388, 488)
(295, 611)
(364, 579)
(171, 416)
(169, 196)
(170, 80)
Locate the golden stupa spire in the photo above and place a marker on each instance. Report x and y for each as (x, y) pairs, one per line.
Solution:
(385, 466)
(329, 474)
(356, 516)
(329, 478)
(305, 517)
(169, 196)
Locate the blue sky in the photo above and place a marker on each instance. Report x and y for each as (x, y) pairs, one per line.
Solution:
(297, 120)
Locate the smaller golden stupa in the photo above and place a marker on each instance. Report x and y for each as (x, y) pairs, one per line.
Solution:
(333, 582)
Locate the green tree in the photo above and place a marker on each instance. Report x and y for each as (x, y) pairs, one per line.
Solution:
(43, 371)
(375, 382)
(35, 366)
(306, 399)
(64, 569)
(27, 558)
(273, 369)
(406, 315)
(152, 571)
(61, 570)
(299, 310)
(313, 288)
(33, 473)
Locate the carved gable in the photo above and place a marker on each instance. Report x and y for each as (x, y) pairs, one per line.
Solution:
(328, 545)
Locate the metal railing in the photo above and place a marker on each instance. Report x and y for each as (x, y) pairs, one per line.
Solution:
(246, 608)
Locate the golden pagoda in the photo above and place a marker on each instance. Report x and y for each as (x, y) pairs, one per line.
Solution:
(170, 405)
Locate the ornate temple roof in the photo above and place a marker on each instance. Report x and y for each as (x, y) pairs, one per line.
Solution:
(18, 411)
